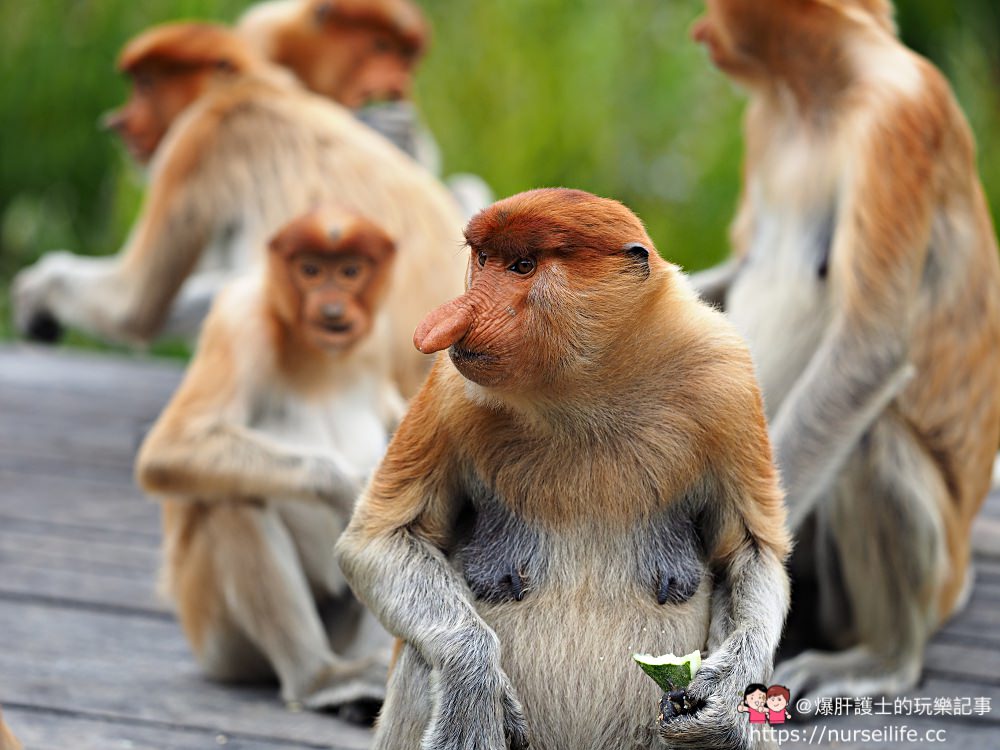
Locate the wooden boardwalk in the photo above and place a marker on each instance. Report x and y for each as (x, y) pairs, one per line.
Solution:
(91, 660)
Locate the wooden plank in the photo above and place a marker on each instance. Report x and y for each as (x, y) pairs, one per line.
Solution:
(978, 662)
(986, 537)
(139, 671)
(70, 370)
(109, 502)
(67, 467)
(79, 564)
(40, 729)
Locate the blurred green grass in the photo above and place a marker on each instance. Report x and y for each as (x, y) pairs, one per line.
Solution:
(611, 97)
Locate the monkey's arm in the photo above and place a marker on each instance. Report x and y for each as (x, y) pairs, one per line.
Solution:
(713, 283)
(391, 554)
(202, 448)
(877, 261)
(747, 541)
(125, 297)
(392, 406)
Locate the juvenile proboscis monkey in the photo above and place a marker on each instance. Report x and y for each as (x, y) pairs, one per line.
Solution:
(286, 406)
(865, 278)
(239, 149)
(586, 474)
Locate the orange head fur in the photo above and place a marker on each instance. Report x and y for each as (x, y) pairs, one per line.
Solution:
(352, 51)
(170, 67)
(554, 276)
(327, 275)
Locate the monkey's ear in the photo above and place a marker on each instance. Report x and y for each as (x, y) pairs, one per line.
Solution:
(639, 254)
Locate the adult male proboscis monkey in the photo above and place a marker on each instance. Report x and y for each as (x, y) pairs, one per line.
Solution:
(585, 474)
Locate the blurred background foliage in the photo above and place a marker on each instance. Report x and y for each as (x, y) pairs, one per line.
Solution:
(607, 96)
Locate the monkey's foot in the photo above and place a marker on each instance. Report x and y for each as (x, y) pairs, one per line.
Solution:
(44, 328)
(855, 672)
(361, 712)
(333, 690)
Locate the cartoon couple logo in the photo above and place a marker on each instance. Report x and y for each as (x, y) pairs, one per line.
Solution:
(766, 704)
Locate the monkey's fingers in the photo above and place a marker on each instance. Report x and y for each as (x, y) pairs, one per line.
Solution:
(677, 703)
(515, 725)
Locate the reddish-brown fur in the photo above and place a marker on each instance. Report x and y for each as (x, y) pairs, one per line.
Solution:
(352, 51)
(171, 66)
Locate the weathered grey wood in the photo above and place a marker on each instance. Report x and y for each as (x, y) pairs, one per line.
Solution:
(66, 370)
(139, 669)
(40, 729)
(986, 535)
(92, 660)
(79, 564)
(110, 504)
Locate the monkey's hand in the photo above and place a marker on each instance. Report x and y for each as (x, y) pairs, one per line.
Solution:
(706, 713)
(31, 293)
(334, 481)
(475, 710)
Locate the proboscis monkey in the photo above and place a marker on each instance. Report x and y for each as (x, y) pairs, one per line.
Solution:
(364, 54)
(865, 278)
(244, 149)
(585, 474)
(352, 51)
(287, 405)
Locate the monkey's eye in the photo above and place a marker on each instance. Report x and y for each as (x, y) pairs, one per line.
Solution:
(143, 82)
(309, 270)
(481, 259)
(350, 272)
(522, 267)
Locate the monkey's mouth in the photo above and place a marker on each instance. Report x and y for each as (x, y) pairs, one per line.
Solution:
(460, 355)
(339, 327)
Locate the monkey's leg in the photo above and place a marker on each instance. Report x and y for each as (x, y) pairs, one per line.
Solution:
(407, 708)
(192, 304)
(885, 519)
(266, 598)
(836, 623)
(352, 629)
(314, 530)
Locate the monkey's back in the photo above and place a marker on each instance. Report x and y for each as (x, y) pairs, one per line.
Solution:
(954, 401)
(951, 406)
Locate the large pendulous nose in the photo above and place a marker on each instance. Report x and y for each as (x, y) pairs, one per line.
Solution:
(444, 326)
(114, 120)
